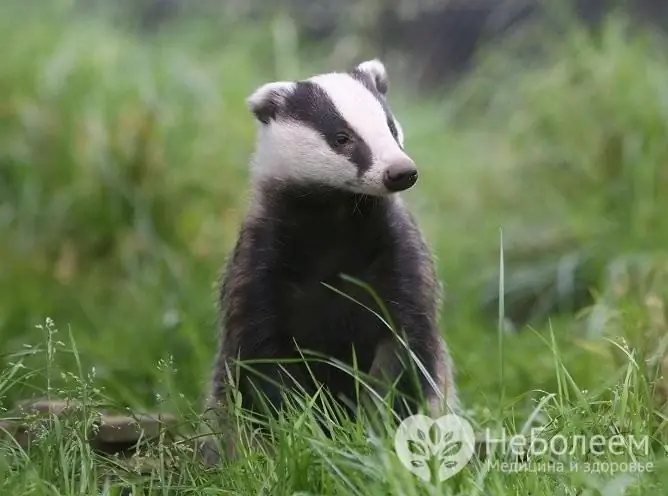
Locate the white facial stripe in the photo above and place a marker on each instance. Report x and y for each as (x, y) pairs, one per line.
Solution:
(295, 152)
(362, 111)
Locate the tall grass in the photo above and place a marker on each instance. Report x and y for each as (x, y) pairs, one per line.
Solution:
(122, 182)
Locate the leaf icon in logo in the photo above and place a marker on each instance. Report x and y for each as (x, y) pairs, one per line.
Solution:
(418, 448)
(436, 436)
(420, 434)
(450, 446)
(447, 463)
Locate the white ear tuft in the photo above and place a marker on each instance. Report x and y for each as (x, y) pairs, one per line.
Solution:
(266, 100)
(377, 72)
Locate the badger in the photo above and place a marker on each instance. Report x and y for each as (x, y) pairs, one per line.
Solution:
(324, 216)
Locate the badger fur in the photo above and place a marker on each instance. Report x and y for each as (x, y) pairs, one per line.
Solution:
(329, 163)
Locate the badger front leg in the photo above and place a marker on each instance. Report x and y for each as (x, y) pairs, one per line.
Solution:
(260, 387)
(394, 365)
(219, 425)
(250, 331)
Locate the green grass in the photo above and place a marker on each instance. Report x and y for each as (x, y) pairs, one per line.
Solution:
(123, 169)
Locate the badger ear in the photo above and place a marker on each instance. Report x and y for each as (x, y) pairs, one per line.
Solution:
(375, 70)
(266, 100)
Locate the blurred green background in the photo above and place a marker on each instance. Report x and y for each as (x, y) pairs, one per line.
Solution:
(124, 144)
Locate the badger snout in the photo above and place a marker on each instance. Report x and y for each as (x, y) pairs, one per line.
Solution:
(400, 175)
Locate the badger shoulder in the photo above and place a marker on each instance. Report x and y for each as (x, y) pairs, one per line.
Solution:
(414, 254)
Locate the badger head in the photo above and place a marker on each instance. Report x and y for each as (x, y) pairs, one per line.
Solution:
(334, 130)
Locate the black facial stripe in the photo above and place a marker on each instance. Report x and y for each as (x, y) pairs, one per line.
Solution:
(369, 85)
(310, 105)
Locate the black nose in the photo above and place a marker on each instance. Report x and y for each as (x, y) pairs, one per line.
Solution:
(400, 175)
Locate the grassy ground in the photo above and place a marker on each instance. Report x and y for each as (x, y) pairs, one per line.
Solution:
(122, 182)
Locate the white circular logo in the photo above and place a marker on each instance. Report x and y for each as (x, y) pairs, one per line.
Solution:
(445, 443)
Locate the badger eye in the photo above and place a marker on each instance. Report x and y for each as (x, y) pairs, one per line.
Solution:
(342, 138)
